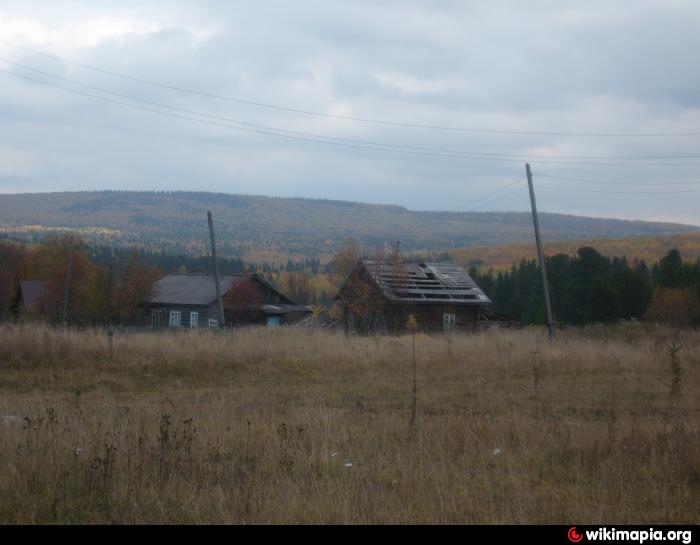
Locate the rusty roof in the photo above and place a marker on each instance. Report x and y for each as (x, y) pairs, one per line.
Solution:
(417, 282)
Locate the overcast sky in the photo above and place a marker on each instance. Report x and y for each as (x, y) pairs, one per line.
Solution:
(538, 66)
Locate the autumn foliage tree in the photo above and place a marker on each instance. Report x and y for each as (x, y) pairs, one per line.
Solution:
(676, 297)
(134, 287)
(12, 256)
(242, 299)
(345, 259)
(360, 296)
(97, 294)
(52, 259)
(678, 307)
(297, 286)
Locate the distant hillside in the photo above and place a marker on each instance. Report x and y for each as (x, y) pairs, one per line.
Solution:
(277, 228)
(649, 249)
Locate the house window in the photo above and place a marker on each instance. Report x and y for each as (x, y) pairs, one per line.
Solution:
(213, 322)
(448, 322)
(194, 319)
(175, 318)
(157, 318)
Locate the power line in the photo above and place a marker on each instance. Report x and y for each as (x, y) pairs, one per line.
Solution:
(314, 135)
(294, 135)
(337, 116)
(614, 183)
(251, 130)
(497, 199)
(665, 192)
(492, 193)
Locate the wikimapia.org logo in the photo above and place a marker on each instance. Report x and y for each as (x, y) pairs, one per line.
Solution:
(573, 535)
(638, 536)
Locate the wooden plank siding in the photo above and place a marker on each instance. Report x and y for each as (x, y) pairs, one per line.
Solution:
(378, 297)
(392, 319)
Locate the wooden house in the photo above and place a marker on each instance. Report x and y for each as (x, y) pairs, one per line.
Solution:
(380, 295)
(189, 301)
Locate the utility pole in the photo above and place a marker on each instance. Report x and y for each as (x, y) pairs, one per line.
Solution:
(222, 319)
(66, 291)
(396, 248)
(540, 253)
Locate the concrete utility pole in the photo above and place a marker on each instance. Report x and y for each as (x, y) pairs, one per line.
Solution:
(66, 291)
(540, 253)
(222, 319)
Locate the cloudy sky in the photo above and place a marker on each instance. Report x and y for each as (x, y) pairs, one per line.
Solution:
(459, 94)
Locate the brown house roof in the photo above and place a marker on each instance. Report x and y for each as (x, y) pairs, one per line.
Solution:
(417, 282)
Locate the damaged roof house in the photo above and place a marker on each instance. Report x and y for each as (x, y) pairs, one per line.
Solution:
(380, 295)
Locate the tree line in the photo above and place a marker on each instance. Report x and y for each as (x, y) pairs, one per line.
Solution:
(108, 285)
(76, 287)
(589, 287)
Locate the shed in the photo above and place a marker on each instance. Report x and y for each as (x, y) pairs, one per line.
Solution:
(380, 295)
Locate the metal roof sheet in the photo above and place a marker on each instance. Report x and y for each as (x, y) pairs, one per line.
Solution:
(418, 282)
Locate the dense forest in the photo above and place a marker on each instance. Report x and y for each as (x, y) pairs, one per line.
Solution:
(258, 229)
(590, 287)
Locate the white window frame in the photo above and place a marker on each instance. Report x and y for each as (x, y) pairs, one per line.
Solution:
(449, 322)
(175, 318)
(157, 317)
(194, 319)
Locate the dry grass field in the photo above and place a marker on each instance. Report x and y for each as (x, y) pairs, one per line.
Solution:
(273, 426)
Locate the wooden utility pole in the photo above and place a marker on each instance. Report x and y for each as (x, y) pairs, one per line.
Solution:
(222, 319)
(66, 290)
(540, 253)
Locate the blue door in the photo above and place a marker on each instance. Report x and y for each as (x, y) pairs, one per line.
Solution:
(273, 321)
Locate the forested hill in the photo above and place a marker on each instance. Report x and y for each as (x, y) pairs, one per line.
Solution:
(176, 222)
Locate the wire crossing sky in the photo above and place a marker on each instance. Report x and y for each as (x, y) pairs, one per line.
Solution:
(336, 116)
(346, 142)
(407, 103)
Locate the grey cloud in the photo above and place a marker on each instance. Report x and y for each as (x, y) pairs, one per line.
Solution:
(536, 65)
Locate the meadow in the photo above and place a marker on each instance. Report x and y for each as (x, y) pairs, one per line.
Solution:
(295, 426)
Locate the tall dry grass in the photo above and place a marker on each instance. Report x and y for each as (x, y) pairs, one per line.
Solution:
(293, 426)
